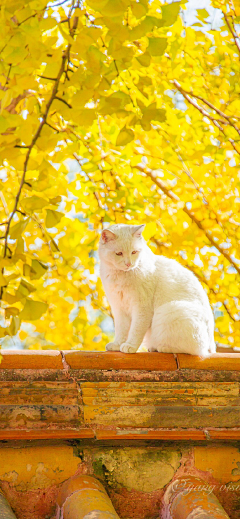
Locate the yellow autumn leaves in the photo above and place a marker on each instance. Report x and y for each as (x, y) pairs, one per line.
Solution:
(114, 111)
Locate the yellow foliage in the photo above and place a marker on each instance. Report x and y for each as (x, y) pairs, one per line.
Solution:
(119, 115)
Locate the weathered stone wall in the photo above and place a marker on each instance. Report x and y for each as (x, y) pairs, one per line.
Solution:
(136, 422)
(114, 395)
(135, 474)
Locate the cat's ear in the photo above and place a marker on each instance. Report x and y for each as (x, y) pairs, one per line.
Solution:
(107, 236)
(137, 230)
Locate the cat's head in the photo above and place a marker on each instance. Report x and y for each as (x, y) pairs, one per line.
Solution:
(121, 246)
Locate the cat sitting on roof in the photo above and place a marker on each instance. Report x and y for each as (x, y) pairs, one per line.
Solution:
(154, 300)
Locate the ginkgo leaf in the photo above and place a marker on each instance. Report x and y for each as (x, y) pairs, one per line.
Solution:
(157, 46)
(56, 200)
(14, 325)
(150, 230)
(6, 100)
(170, 13)
(144, 59)
(97, 4)
(4, 331)
(113, 8)
(33, 310)
(86, 117)
(34, 203)
(53, 218)
(151, 113)
(138, 9)
(11, 311)
(114, 102)
(18, 228)
(124, 137)
(38, 269)
(3, 124)
(26, 270)
(10, 298)
(24, 289)
(65, 35)
(203, 13)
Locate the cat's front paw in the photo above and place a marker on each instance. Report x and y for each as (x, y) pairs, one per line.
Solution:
(152, 348)
(112, 346)
(128, 348)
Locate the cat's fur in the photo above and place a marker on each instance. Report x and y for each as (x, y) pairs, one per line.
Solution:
(153, 299)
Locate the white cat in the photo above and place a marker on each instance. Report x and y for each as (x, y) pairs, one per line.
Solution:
(152, 298)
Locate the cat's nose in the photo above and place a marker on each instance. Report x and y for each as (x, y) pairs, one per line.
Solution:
(128, 264)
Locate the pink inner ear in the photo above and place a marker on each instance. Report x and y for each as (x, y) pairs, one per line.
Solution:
(138, 232)
(108, 236)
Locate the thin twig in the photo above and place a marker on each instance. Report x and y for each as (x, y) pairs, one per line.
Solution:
(219, 112)
(63, 101)
(46, 77)
(9, 70)
(28, 18)
(90, 180)
(52, 127)
(198, 189)
(194, 103)
(235, 36)
(19, 146)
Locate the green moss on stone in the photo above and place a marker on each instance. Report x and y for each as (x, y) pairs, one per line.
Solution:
(98, 467)
(140, 469)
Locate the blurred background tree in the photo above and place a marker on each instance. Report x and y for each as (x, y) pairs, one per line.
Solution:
(115, 111)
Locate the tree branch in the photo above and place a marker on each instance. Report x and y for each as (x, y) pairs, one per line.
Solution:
(204, 113)
(35, 138)
(234, 35)
(150, 173)
(219, 112)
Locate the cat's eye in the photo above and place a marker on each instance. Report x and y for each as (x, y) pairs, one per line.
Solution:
(134, 251)
(119, 253)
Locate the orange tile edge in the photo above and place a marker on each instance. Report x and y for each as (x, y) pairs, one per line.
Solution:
(31, 359)
(151, 435)
(168, 434)
(215, 362)
(44, 434)
(52, 359)
(117, 360)
(107, 434)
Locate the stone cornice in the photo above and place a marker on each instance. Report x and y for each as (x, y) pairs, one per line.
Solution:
(114, 396)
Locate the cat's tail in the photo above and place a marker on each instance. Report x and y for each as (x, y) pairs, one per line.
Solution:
(181, 327)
